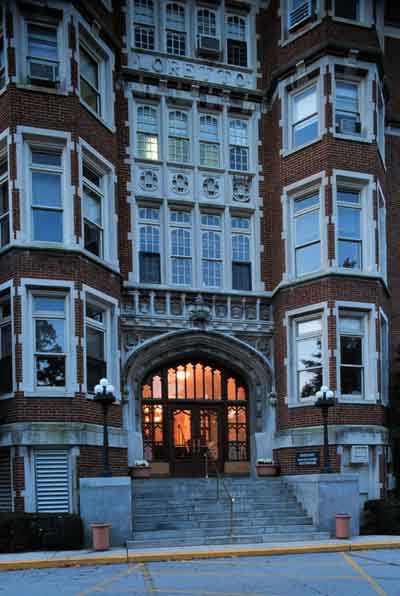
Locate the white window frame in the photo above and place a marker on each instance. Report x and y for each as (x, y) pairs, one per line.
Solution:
(210, 11)
(207, 227)
(104, 56)
(4, 43)
(5, 179)
(189, 227)
(7, 286)
(380, 121)
(382, 232)
(235, 37)
(364, 184)
(368, 312)
(143, 222)
(365, 16)
(138, 130)
(384, 357)
(112, 352)
(313, 184)
(240, 145)
(291, 318)
(248, 233)
(106, 170)
(288, 36)
(204, 139)
(177, 138)
(138, 22)
(182, 31)
(366, 105)
(30, 287)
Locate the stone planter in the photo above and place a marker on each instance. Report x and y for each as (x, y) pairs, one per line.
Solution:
(267, 469)
(100, 536)
(140, 472)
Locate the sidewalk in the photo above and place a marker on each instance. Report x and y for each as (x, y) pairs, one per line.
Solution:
(47, 559)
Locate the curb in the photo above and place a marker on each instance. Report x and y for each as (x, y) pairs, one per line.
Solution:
(141, 557)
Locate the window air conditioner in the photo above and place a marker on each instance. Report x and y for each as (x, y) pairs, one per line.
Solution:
(41, 71)
(208, 46)
(300, 14)
(348, 126)
(359, 454)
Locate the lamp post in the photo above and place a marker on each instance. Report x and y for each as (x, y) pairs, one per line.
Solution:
(325, 400)
(104, 394)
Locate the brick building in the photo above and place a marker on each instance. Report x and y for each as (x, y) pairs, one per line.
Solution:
(199, 201)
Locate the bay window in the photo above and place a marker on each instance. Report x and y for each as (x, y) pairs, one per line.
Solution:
(50, 350)
(175, 29)
(211, 250)
(306, 233)
(241, 257)
(144, 24)
(236, 40)
(96, 348)
(4, 200)
(5, 343)
(238, 144)
(147, 145)
(178, 136)
(349, 234)
(46, 174)
(209, 141)
(352, 353)
(304, 116)
(149, 245)
(308, 339)
(181, 247)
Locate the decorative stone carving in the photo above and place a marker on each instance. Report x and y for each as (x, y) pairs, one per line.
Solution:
(148, 180)
(241, 187)
(211, 187)
(180, 184)
(199, 312)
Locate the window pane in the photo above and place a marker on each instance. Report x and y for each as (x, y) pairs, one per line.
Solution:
(181, 271)
(3, 198)
(91, 206)
(147, 146)
(351, 380)
(309, 382)
(46, 159)
(309, 354)
(47, 225)
(89, 95)
(46, 189)
(50, 335)
(149, 268)
(42, 42)
(211, 245)
(240, 248)
(93, 239)
(95, 370)
(144, 37)
(349, 223)
(89, 68)
(94, 312)
(48, 303)
(346, 96)
(50, 371)
(305, 203)
(305, 132)
(350, 254)
(310, 326)
(351, 324)
(348, 196)
(304, 104)
(181, 243)
(149, 240)
(209, 155)
(212, 274)
(307, 228)
(308, 258)
(347, 9)
(241, 276)
(351, 350)
(95, 343)
(91, 175)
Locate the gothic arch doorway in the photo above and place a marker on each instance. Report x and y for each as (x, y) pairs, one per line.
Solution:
(192, 411)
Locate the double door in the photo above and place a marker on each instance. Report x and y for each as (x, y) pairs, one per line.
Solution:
(195, 430)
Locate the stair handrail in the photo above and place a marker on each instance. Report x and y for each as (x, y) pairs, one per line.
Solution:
(221, 480)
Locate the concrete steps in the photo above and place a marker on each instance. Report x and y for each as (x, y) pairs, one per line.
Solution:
(183, 512)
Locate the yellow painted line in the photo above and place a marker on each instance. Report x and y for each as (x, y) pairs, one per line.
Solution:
(61, 562)
(239, 574)
(376, 587)
(99, 587)
(190, 591)
(379, 544)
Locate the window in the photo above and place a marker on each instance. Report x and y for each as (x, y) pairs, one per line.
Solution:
(43, 60)
(308, 334)
(149, 245)
(89, 68)
(50, 351)
(211, 250)
(178, 136)
(304, 116)
(206, 22)
(2, 52)
(144, 24)
(96, 349)
(46, 195)
(381, 122)
(352, 354)
(347, 9)
(382, 240)
(241, 260)
(236, 40)
(147, 135)
(306, 233)
(176, 29)
(5, 343)
(299, 12)
(93, 206)
(347, 104)
(52, 480)
(181, 247)
(349, 212)
(384, 360)
(238, 145)
(209, 143)
(4, 200)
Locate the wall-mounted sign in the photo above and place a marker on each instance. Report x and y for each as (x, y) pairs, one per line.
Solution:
(308, 458)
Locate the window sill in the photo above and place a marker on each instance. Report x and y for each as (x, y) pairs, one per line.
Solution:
(290, 37)
(50, 394)
(148, 162)
(356, 138)
(91, 111)
(303, 404)
(358, 401)
(6, 396)
(42, 89)
(352, 22)
(241, 173)
(194, 289)
(113, 265)
(211, 170)
(287, 152)
(180, 164)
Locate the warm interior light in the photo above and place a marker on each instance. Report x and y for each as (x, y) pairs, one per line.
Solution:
(181, 375)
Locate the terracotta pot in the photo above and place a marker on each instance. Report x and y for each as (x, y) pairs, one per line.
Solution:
(101, 536)
(267, 469)
(343, 525)
(141, 472)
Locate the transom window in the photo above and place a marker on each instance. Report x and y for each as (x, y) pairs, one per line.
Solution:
(147, 133)
(308, 356)
(4, 200)
(178, 136)
(46, 202)
(304, 116)
(352, 353)
(349, 210)
(306, 233)
(348, 120)
(176, 29)
(144, 27)
(5, 343)
(50, 352)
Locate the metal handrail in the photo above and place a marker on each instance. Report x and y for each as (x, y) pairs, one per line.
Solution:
(220, 480)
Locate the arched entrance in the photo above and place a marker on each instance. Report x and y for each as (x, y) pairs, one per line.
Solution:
(193, 408)
(233, 359)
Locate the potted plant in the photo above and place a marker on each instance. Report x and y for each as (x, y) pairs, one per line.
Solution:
(141, 469)
(266, 467)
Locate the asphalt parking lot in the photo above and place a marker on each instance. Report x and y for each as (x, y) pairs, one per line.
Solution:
(325, 574)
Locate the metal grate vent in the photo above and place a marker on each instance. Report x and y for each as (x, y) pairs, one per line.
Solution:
(300, 14)
(5, 481)
(52, 480)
